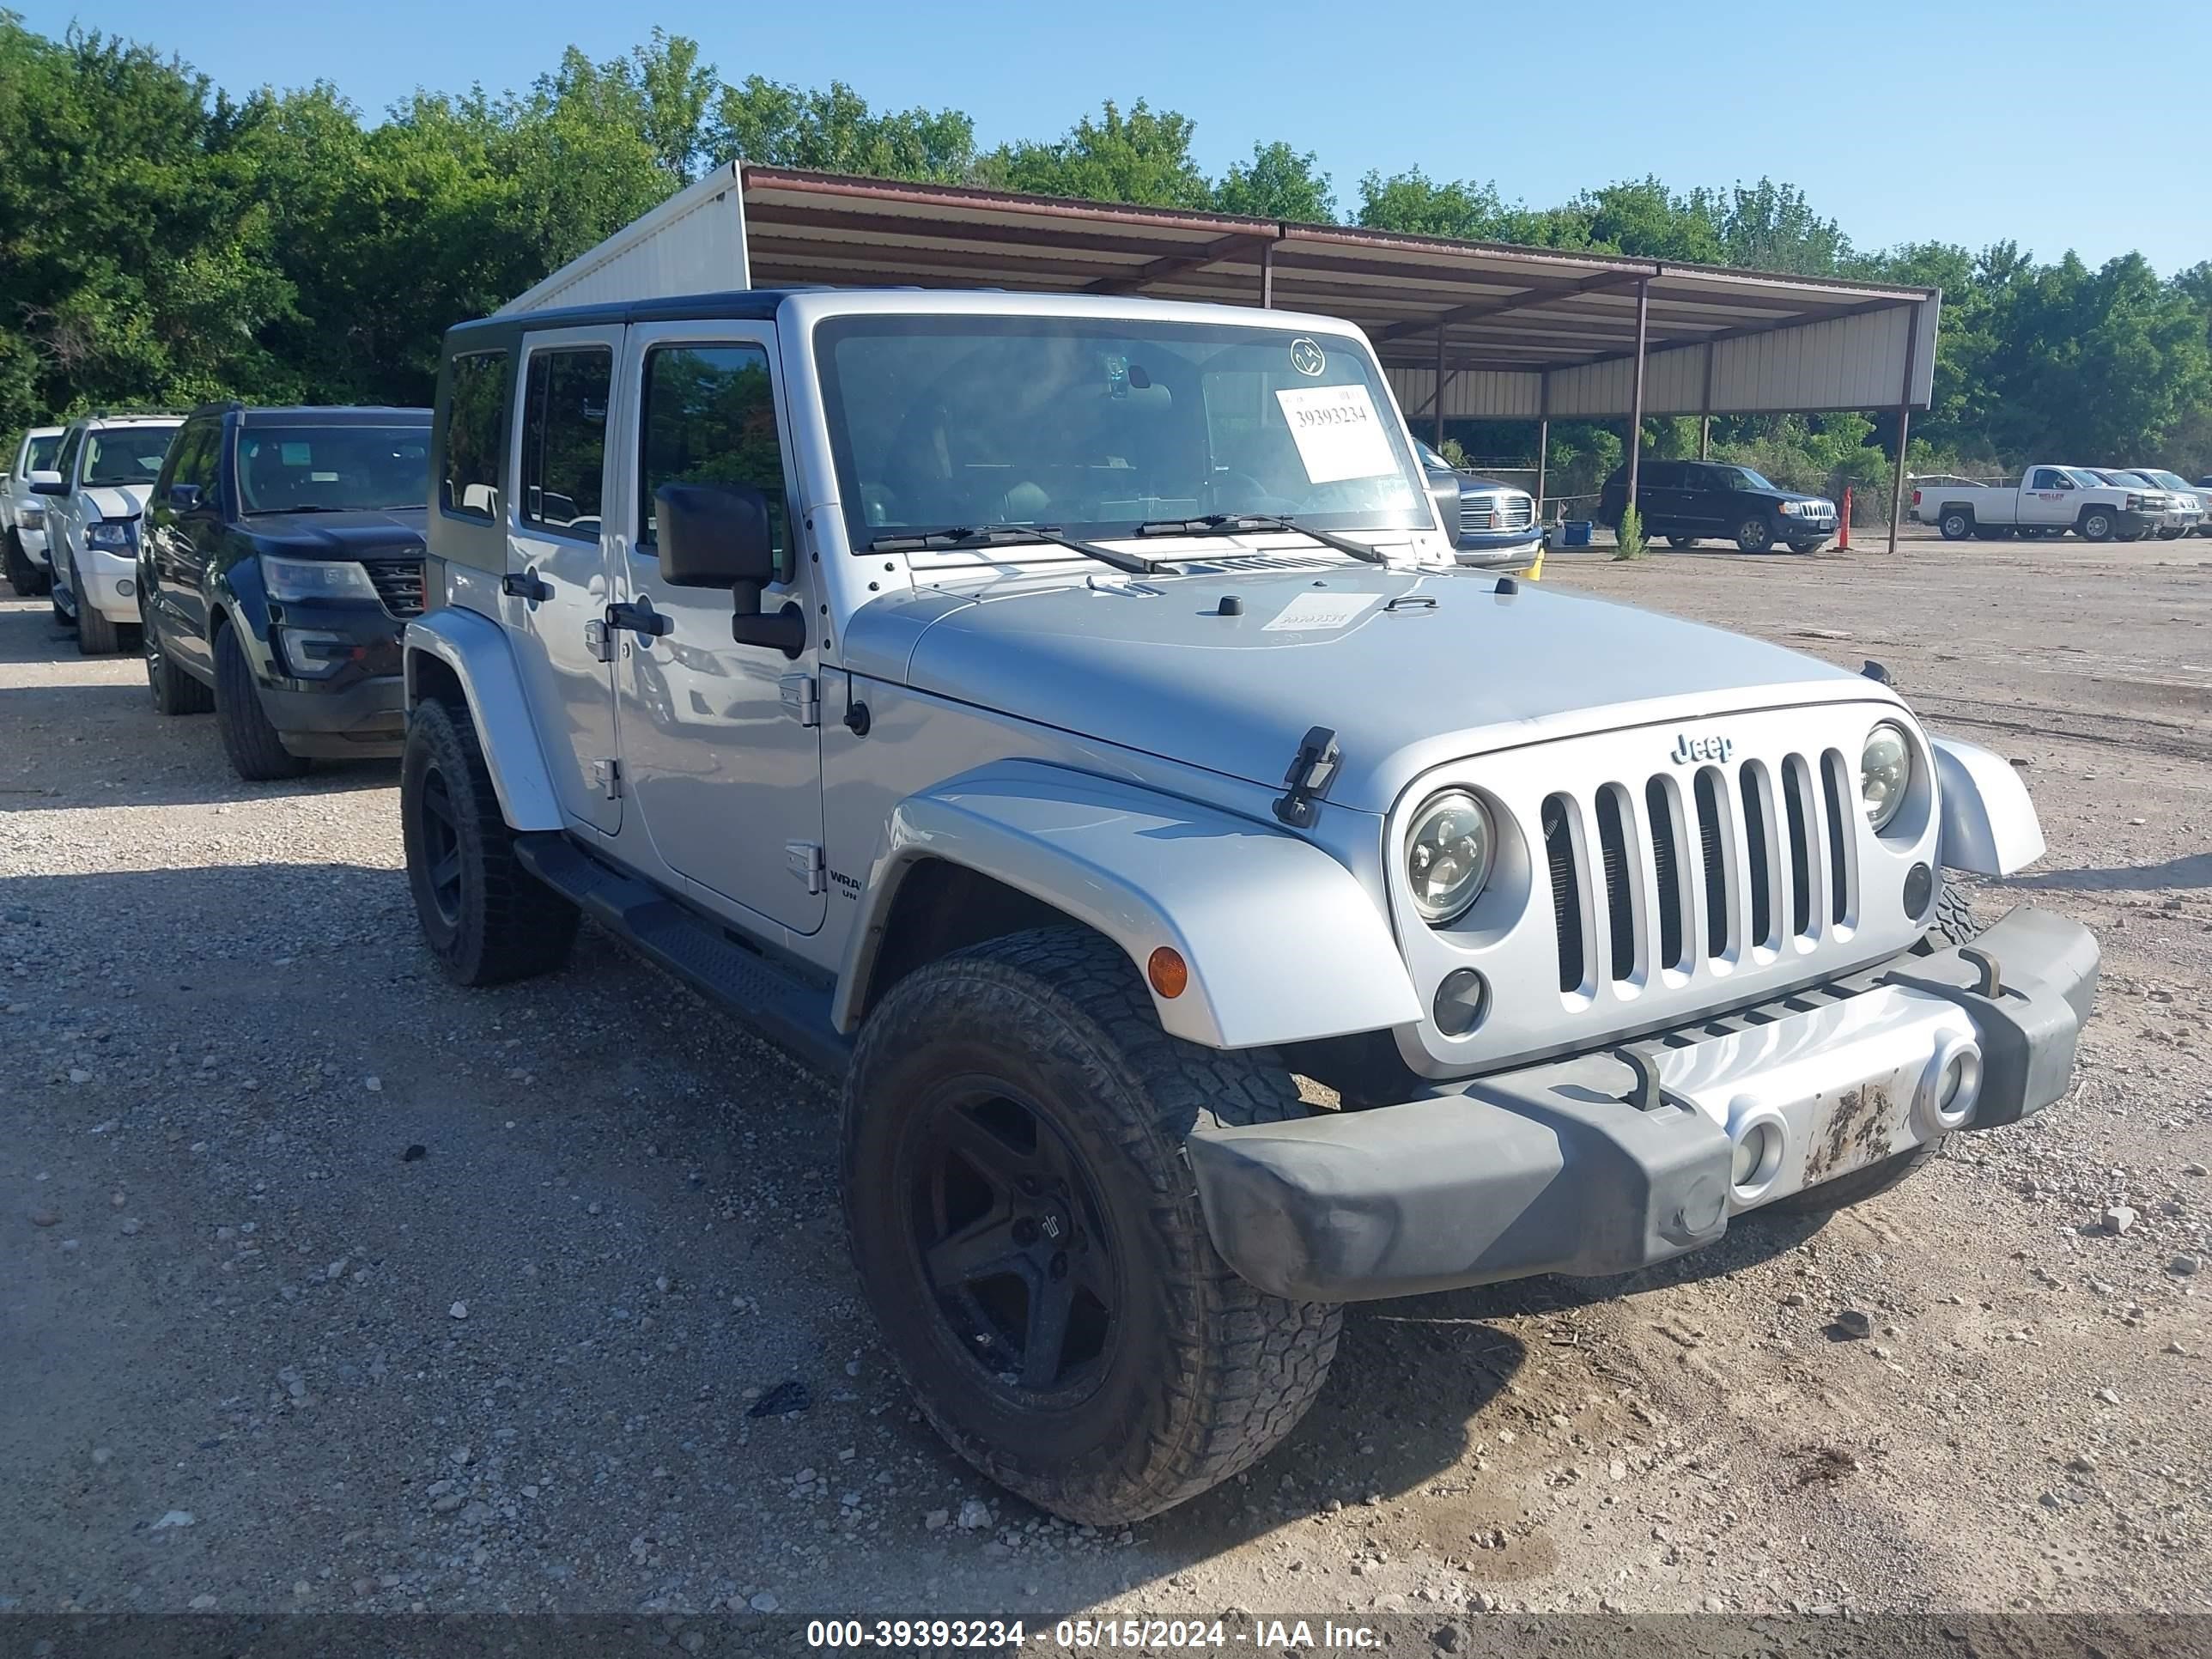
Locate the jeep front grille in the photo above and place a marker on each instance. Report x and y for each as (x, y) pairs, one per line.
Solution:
(398, 584)
(1769, 852)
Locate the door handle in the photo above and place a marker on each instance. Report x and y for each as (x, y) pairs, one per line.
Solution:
(639, 618)
(526, 585)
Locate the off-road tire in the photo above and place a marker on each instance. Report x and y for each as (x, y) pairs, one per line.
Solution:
(26, 577)
(1754, 535)
(1952, 924)
(503, 924)
(1682, 541)
(1204, 1374)
(175, 691)
(256, 752)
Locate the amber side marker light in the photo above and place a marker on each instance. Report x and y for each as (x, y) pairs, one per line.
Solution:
(1169, 973)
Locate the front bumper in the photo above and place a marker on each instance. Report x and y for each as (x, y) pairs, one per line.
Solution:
(365, 721)
(108, 582)
(1557, 1168)
(1498, 550)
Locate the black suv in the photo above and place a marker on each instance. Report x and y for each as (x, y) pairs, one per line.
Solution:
(1688, 501)
(282, 557)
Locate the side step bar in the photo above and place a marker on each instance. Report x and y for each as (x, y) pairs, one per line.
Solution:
(781, 1006)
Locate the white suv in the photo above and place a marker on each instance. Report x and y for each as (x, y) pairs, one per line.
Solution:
(108, 465)
(23, 515)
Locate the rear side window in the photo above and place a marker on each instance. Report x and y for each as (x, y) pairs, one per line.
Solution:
(39, 455)
(564, 439)
(475, 434)
(709, 417)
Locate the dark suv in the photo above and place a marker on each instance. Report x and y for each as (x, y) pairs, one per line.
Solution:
(1686, 501)
(282, 556)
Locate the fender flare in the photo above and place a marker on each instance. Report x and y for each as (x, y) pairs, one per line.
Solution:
(1282, 941)
(1990, 826)
(475, 649)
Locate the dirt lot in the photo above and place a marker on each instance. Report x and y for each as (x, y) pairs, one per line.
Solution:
(258, 1353)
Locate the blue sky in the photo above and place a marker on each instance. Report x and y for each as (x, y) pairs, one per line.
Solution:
(1965, 120)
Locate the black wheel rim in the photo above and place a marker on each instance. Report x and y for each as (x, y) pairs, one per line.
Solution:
(153, 640)
(1012, 1242)
(441, 850)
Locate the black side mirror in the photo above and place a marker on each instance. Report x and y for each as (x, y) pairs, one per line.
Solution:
(48, 487)
(1444, 495)
(184, 497)
(713, 535)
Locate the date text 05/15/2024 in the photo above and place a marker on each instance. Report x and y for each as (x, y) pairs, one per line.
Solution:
(1128, 1635)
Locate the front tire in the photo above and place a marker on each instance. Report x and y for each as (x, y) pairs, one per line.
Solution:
(96, 636)
(1025, 1228)
(22, 575)
(175, 692)
(1682, 541)
(1754, 536)
(486, 918)
(256, 753)
(2097, 526)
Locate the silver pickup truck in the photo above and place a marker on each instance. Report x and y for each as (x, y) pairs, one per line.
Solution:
(1064, 718)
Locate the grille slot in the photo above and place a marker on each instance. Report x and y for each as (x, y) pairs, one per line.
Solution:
(1566, 891)
(1713, 847)
(1840, 829)
(1796, 804)
(398, 584)
(1619, 905)
(1659, 805)
(1756, 830)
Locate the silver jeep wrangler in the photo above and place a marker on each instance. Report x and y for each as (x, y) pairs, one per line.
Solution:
(1064, 718)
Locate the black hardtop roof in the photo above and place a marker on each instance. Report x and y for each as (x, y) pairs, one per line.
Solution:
(319, 414)
(743, 305)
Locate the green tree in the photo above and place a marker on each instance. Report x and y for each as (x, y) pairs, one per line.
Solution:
(1413, 202)
(1143, 156)
(1279, 182)
(835, 131)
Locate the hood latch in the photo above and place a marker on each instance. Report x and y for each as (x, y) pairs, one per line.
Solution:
(1308, 780)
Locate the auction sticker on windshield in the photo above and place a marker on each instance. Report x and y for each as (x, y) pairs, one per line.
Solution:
(1337, 433)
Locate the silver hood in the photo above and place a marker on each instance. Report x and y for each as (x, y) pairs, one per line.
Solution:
(1409, 668)
(118, 500)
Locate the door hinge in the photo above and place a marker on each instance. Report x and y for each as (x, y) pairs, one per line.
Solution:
(606, 778)
(804, 859)
(802, 699)
(599, 640)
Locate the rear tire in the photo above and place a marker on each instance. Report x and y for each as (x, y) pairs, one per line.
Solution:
(1012, 1152)
(1682, 541)
(1754, 536)
(486, 918)
(175, 691)
(1957, 525)
(256, 752)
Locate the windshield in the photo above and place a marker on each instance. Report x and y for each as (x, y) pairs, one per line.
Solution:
(1743, 477)
(126, 454)
(1096, 427)
(39, 455)
(1430, 458)
(2087, 480)
(2164, 479)
(338, 468)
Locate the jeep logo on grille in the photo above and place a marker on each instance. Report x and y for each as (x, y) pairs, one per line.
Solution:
(1688, 748)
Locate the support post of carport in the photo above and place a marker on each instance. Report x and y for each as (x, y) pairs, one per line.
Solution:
(1903, 423)
(1267, 277)
(1705, 417)
(1636, 415)
(1543, 437)
(1437, 444)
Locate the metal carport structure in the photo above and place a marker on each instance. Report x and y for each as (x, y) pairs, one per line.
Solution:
(1468, 330)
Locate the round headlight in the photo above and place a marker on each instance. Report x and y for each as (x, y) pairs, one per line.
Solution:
(1885, 772)
(1448, 854)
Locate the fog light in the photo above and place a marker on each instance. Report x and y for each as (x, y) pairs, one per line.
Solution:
(1919, 891)
(125, 587)
(1461, 1001)
(316, 656)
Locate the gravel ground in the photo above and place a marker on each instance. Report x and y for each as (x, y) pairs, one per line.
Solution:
(323, 1286)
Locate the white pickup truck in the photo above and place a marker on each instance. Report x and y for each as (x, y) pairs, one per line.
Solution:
(2049, 501)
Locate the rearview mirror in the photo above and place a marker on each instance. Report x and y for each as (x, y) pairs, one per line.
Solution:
(713, 535)
(48, 483)
(184, 497)
(716, 535)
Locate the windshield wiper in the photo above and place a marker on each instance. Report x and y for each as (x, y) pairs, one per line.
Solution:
(1230, 523)
(1007, 535)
